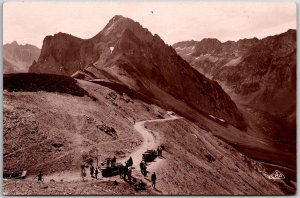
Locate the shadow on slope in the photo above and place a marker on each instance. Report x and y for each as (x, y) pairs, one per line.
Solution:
(31, 82)
(120, 88)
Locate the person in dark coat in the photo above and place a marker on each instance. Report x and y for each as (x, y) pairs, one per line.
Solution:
(114, 161)
(121, 171)
(92, 170)
(129, 174)
(107, 162)
(40, 176)
(96, 173)
(153, 179)
(142, 167)
(130, 161)
(145, 171)
(83, 168)
(125, 171)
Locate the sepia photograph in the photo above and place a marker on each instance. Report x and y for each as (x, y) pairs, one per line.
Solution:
(149, 98)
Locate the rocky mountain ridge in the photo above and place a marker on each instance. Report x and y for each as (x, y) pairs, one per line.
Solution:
(129, 54)
(260, 73)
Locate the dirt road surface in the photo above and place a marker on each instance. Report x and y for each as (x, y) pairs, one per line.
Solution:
(151, 140)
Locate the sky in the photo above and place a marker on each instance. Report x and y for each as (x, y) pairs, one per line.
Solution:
(30, 22)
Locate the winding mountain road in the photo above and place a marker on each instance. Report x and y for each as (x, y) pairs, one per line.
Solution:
(151, 140)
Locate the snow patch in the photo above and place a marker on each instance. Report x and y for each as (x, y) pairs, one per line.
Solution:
(234, 62)
(111, 49)
(180, 48)
(207, 57)
(216, 118)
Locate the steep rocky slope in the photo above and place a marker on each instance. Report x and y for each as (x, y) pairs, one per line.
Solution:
(260, 76)
(198, 161)
(52, 131)
(127, 53)
(18, 58)
(46, 131)
(260, 73)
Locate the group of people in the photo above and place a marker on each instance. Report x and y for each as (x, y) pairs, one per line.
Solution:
(125, 171)
(143, 167)
(93, 171)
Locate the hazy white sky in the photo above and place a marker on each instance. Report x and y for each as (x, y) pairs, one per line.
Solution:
(30, 22)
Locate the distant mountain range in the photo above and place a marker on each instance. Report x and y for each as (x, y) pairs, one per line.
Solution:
(18, 58)
(129, 54)
(259, 73)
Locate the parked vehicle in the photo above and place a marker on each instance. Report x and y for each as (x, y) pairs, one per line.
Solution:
(149, 155)
(111, 170)
(14, 175)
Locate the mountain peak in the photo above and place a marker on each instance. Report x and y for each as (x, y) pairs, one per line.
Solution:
(291, 31)
(127, 53)
(117, 17)
(14, 43)
(120, 23)
(117, 25)
(211, 40)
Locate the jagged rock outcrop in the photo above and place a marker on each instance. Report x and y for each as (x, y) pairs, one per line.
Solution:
(18, 58)
(126, 52)
(262, 73)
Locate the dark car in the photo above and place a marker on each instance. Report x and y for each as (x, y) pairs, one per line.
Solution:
(149, 155)
(112, 170)
(14, 175)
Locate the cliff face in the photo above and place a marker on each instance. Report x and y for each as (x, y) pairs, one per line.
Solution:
(18, 58)
(261, 73)
(126, 52)
(63, 54)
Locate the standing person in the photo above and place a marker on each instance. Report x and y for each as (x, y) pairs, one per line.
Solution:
(142, 166)
(125, 171)
(83, 168)
(92, 170)
(40, 176)
(158, 151)
(145, 171)
(96, 172)
(153, 179)
(121, 171)
(114, 161)
(130, 161)
(129, 174)
(107, 162)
